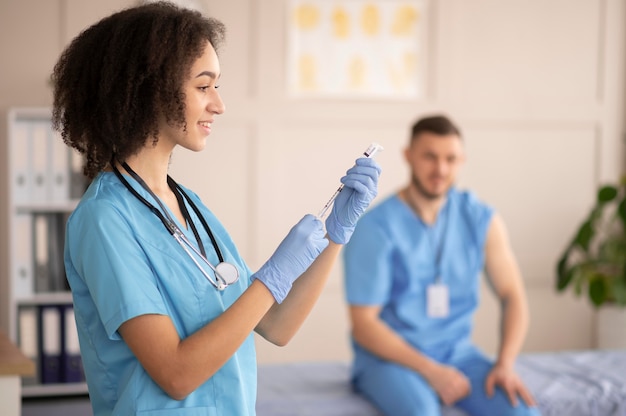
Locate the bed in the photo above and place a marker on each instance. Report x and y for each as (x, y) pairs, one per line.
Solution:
(571, 383)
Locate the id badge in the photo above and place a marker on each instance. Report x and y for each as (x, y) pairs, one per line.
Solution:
(437, 301)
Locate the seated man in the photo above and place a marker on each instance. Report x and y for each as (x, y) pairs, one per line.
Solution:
(412, 273)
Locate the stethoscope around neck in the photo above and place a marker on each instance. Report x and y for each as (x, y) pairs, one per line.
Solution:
(225, 273)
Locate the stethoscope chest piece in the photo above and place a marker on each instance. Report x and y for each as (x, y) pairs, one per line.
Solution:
(227, 273)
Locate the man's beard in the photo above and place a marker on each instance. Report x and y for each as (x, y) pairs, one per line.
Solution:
(421, 189)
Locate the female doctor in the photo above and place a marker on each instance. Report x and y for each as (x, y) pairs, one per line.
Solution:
(165, 305)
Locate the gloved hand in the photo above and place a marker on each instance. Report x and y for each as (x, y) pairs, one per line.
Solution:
(360, 188)
(293, 256)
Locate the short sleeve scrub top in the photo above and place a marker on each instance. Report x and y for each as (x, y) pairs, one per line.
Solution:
(121, 262)
(392, 259)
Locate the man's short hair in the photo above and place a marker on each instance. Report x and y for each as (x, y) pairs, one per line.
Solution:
(437, 124)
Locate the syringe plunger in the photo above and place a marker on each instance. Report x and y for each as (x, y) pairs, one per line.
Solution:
(370, 152)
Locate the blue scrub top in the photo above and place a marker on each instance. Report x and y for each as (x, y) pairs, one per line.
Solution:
(121, 262)
(391, 260)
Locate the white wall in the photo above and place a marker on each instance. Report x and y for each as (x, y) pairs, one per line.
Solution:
(536, 85)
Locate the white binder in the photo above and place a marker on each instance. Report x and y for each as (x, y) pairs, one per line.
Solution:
(72, 362)
(59, 175)
(23, 274)
(72, 346)
(19, 150)
(28, 339)
(77, 179)
(41, 253)
(39, 160)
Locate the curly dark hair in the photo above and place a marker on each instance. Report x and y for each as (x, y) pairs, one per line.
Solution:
(118, 77)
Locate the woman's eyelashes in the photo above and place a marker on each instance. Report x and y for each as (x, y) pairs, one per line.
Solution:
(206, 87)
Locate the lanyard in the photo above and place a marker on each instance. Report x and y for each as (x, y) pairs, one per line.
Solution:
(225, 273)
(442, 241)
(430, 233)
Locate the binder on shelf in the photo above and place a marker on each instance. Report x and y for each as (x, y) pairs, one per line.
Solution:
(65, 284)
(50, 342)
(55, 242)
(19, 153)
(59, 171)
(23, 275)
(27, 333)
(77, 178)
(39, 160)
(40, 251)
(72, 362)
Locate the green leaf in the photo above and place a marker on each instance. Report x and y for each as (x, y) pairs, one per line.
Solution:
(561, 278)
(584, 235)
(596, 213)
(613, 251)
(621, 211)
(619, 291)
(579, 278)
(598, 291)
(595, 260)
(607, 193)
(564, 279)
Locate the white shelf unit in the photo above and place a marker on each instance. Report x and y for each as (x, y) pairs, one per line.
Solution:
(42, 185)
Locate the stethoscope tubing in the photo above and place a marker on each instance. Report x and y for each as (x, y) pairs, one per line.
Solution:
(220, 283)
(186, 244)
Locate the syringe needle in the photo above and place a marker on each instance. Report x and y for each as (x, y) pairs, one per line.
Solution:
(369, 152)
(329, 203)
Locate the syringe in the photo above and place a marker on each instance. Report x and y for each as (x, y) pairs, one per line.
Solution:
(369, 152)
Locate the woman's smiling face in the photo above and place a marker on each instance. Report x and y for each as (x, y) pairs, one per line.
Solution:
(202, 104)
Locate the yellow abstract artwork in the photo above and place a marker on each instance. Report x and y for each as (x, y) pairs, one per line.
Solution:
(370, 20)
(404, 21)
(357, 73)
(306, 16)
(340, 23)
(356, 48)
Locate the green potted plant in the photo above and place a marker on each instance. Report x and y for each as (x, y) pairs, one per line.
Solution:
(594, 262)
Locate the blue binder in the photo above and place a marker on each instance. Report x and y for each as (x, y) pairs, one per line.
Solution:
(50, 328)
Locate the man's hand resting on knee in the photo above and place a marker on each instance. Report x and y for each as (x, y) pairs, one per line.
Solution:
(450, 384)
